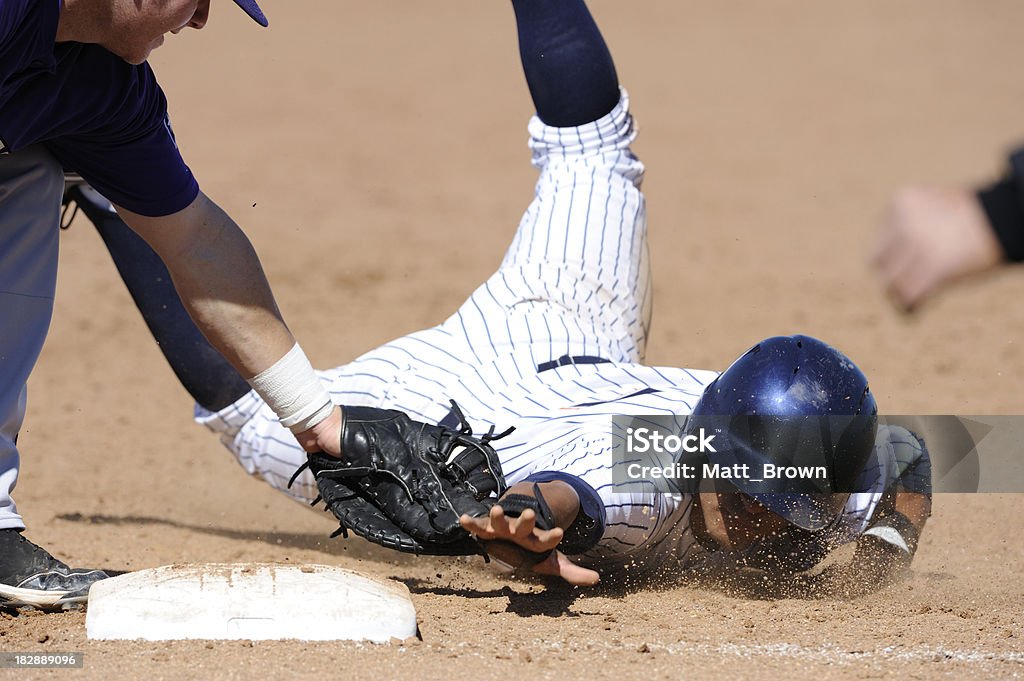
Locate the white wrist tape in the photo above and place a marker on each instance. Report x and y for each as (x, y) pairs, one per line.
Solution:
(293, 390)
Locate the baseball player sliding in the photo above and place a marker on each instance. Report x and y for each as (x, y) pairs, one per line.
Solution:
(552, 344)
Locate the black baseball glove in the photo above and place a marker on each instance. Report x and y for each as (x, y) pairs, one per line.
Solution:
(404, 484)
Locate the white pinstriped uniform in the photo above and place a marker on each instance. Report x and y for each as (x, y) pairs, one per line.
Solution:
(575, 282)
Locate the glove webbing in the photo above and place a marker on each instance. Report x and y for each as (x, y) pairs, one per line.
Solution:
(463, 437)
(343, 531)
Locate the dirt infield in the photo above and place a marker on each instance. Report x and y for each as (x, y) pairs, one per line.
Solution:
(376, 155)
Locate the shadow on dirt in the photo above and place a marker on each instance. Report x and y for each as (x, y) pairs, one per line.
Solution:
(555, 601)
(355, 548)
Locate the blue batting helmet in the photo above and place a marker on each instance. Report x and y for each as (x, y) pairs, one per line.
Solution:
(799, 410)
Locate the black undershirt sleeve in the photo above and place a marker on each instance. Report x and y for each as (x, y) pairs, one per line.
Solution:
(1003, 203)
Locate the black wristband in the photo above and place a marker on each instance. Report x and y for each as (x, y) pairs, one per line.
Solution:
(1003, 203)
(514, 504)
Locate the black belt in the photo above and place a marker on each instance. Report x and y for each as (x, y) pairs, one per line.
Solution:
(566, 360)
(451, 420)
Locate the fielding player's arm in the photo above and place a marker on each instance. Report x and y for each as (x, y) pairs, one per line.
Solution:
(221, 283)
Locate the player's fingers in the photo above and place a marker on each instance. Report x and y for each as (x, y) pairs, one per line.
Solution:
(540, 540)
(499, 523)
(492, 526)
(544, 540)
(523, 526)
(912, 283)
(902, 275)
(558, 565)
(479, 527)
(915, 292)
(892, 253)
(525, 533)
(892, 238)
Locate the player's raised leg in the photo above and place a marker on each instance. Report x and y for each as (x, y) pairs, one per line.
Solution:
(575, 281)
(568, 68)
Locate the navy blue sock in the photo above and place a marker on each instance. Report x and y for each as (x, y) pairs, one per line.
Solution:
(208, 377)
(568, 68)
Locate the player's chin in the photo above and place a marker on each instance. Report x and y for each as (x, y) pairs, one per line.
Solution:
(137, 54)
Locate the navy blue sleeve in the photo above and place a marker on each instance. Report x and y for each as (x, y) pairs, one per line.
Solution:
(590, 505)
(12, 14)
(129, 154)
(28, 29)
(30, 24)
(99, 116)
(1003, 203)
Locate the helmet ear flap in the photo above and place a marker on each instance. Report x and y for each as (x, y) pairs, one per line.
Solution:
(855, 445)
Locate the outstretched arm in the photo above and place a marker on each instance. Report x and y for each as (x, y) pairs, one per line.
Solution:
(934, 237)
(220, 281)
(930, 238)
(889, 542)
(516, 541)
(222, 291)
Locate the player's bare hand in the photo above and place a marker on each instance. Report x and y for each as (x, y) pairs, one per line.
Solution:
(325, 436)
(508, 539)
(559, 565)
(931, 237)
(521, 531)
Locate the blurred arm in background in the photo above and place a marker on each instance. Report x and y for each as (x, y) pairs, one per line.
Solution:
(932, 237)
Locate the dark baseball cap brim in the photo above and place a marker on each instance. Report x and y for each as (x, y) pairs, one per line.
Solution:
(253, 10)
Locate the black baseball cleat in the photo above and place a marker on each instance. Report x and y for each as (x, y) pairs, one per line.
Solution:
(30, 576)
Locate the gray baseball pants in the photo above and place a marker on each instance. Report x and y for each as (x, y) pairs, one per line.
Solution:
(31, 186)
